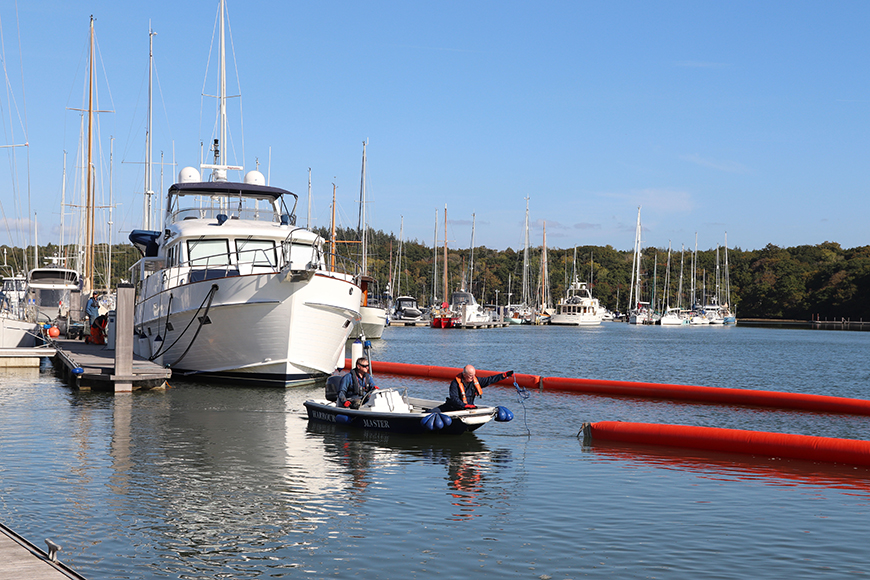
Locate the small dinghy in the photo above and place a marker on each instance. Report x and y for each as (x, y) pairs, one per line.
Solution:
(394, 411)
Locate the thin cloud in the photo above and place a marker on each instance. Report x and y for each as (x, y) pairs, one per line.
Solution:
(585, 226)
(726, 166)
(656, 199)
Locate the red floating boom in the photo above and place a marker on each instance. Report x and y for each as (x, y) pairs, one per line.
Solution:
(806, 447)
(776, 399)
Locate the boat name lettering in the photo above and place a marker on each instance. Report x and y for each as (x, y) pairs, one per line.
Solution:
(323, 416)
(376, 423)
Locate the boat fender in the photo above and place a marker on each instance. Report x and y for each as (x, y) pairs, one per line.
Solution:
(78, 371)
(503, 414)
(439, 423)
(446, 419)
(429, 421)
(342, 419)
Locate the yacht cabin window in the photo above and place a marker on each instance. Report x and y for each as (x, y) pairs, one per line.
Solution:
(257, 252)
(208, 252)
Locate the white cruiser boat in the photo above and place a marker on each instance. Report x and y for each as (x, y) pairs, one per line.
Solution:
(578, 308)
(231, 289)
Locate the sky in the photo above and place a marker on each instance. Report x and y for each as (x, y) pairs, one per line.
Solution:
(741, 119)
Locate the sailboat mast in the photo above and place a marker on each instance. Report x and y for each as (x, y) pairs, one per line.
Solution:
(222, 102)
(362, 214)
(444, 281)
(88, 285)
(680, 291)
(332, 231)
(471, 257)
(435, 262)
(149, 192)
(526, 292)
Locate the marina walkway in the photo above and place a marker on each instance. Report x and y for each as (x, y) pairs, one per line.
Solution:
(21, 560)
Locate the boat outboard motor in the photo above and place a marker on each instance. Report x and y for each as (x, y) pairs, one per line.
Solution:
(333, 383)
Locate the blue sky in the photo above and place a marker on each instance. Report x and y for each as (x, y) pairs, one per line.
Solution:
(741, 117)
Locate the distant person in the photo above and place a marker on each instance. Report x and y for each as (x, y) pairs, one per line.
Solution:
(356, 385)
(92, 308)
(465, 387)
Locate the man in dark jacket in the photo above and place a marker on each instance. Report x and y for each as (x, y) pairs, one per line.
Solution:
(466, 387)
(355, 385)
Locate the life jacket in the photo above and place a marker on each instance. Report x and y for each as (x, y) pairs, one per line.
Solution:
(462, 388)
(358, 385)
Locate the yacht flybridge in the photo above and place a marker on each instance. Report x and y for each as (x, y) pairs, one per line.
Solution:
(232, 289)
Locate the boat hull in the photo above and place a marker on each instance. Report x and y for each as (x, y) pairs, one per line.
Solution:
(16, 333)
(259, 329)
(407, 423)
(372, 323)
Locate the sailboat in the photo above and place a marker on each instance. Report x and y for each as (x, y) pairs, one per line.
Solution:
(543, 311)
(231, 288)
(462, 302)
(640, 311)
(443, 316)
(522, 313)
(373, 317)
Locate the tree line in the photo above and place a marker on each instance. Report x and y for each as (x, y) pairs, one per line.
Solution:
(801, 282)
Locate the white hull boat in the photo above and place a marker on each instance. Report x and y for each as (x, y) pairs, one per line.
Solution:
(578, 308)
(236, 297)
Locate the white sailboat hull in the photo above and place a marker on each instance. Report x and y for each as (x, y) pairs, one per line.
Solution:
(16, 333)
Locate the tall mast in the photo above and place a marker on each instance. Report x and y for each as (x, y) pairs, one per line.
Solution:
(526, 291)
(634, 288)
(332, 231)
(435, 262)
(308, 220)
(362, 214)
(149, 192)
(471, 256)
(444, 282)
(88, 285)
(220, 157)
(680, 291)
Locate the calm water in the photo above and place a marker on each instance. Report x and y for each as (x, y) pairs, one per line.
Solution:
(220, 482)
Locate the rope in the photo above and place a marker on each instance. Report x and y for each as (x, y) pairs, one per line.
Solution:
(522, 395)
(208, 298)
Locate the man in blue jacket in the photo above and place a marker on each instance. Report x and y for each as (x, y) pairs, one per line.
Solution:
(465, 387)
(355, 385)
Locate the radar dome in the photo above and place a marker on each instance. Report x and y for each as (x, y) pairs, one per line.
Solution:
(188, 175)
(255, 178)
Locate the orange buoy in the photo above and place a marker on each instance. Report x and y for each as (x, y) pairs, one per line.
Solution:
(54, 332)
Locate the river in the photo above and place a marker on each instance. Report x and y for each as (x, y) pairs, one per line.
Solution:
(208, 481)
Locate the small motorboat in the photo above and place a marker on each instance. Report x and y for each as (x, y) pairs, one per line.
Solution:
(394, 411)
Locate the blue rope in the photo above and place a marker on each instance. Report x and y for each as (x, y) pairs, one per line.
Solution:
(522, 395)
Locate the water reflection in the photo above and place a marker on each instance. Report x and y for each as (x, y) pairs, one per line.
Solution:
(469, 464)
(737, 467)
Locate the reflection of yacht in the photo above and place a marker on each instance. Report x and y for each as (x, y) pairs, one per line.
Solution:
(578, 308)
(231, 289)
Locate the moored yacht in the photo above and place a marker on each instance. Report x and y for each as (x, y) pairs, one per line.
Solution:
(232, 289)
(578, 308)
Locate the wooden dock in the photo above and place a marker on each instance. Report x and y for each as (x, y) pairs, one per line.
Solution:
(21, 560)
(408, 323)
(89, 366)
(98, 371)
(22, 357)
